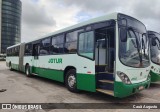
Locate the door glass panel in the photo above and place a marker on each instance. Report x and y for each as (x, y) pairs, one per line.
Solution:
(101, 45)
(104, 49)
(86, 44)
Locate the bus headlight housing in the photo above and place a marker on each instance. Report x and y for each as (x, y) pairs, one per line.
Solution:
(125, 79)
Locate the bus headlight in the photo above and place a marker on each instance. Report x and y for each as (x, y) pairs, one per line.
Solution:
(124, 78)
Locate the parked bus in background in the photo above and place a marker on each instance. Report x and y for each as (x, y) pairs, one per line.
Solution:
(154, 38)
(104, 54)
(2, 57)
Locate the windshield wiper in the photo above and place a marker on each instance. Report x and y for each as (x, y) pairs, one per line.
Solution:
(138, 46)
(144, 44)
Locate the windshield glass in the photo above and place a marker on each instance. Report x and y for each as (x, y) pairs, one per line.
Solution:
(133, 51)
(155, 49)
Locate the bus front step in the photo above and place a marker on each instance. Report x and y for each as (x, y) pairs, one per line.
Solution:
(34, 74)
(101, 68)
(109, 73)
(105, 76)
(106, 81)
(109, 92)
(106, 84)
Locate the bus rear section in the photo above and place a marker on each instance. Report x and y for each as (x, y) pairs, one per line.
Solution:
(15, 55)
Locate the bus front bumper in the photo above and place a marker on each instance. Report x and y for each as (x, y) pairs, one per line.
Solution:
(123, 90)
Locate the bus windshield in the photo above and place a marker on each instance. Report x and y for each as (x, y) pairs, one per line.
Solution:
(134, 51)
(155, 48)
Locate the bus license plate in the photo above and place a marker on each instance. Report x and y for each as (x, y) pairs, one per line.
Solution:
(141, 88)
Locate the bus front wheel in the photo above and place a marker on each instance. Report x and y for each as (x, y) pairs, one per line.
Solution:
(70, 80)
(27, 71)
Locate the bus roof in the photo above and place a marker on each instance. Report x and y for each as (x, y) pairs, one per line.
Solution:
(14, 46)
(150, 31)
(90, 21)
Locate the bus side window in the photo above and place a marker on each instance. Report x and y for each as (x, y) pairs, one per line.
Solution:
(17, 52)
(28, 49)
(45, 46)
(57, 44)
(13, 51)
(36, 50)
(71, 41)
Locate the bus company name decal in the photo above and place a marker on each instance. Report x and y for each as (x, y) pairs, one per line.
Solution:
(55, 60)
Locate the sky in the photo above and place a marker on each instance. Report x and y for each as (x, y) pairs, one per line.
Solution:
(41, 17)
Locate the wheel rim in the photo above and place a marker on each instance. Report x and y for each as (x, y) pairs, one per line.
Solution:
(71, 81)
(10, 66)
(27, 71)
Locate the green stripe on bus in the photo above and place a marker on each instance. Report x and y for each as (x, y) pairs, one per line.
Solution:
(154, 76)
(86, 82)
(123, 90)
(15, 66)
(56, 75)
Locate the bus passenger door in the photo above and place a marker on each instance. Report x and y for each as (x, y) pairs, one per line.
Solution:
(101, 53)
(104, 51)
(104, 59)
(35, 58)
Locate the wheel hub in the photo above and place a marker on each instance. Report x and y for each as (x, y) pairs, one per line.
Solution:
(71, 80)
(27, 72)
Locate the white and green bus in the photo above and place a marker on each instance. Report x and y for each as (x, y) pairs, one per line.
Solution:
(154, 38)
(104, 54)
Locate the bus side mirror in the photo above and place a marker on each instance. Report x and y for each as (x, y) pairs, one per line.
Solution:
(153, 42)
(123, 34)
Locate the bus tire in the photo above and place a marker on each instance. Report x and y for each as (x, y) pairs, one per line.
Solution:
(70, 80)
(27, 71)
(10, 66)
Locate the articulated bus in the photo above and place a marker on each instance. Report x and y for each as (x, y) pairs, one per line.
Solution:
(104, 54)
(154, 38)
